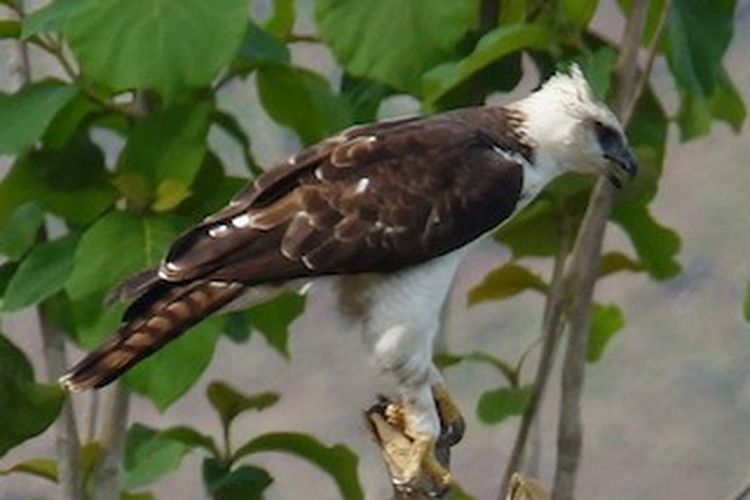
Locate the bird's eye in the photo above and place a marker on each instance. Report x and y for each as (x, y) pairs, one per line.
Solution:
(606, 135)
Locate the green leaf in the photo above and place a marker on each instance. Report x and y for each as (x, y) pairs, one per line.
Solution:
(229, 402)
(7, 270)
(272, 319)
(747, 303)
(534, 231)
(647, 134)
(282, 20)
(169, 373)
(29, 408)
(606, 321)
(20, 231)
(152, 48)
(492, 47)
(211, 190)
(259, 48)
(458, 493)
(149, 456)
(99, 264)
(163, 155)
(364, 97)
(191, 438)
(237, 326)
(656, 245)
(445, 360)
(579, 12)
(42, 273)
(392, 41)
(338, 461)
(144, 495)
(697, 35)
(727, 103)
(73, 117)
(90, 455)
(9, 29)
(598, 68)
(231, 126)
(44, 468)
(512, 11)
(497, 405)
(30, 111)
(506, 281)
(50, 18)
(243, 483)
(615, 262)
(72, 182)
(285, 90)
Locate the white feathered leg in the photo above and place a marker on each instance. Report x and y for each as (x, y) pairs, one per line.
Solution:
(400, 315)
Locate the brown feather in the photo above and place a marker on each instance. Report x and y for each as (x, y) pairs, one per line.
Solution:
(374, 198)
(165, 318)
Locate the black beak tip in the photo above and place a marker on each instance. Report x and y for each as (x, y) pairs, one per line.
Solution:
(631, 166)
(626, 163)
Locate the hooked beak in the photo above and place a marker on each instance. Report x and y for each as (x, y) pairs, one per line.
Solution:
(622, 164)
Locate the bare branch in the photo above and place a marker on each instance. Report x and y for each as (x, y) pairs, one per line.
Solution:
(552, 328)
(585, 261)
(741, 494)
(67, 442)
(653, 49)
(107, 480)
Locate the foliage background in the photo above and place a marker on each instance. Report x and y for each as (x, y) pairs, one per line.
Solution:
(670, 405)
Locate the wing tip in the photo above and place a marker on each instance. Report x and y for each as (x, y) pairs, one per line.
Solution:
(68, 383)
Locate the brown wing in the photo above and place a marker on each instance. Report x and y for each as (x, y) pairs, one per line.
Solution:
(374, 198)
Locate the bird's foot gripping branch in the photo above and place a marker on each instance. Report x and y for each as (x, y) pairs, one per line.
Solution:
(419, 466)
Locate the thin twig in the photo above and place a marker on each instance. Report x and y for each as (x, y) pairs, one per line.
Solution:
(552, 328)
(92, 417)
(583, 269)
(302, 38)
(653, 49)
(24, 62)
(67, 441)
(741, 494)
(107, 480)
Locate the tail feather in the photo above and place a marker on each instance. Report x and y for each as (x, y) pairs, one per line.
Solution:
(158, 317)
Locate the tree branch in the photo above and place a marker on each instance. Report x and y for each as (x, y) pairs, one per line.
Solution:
(551, 329)
(741, 494)
(67, 441)
(585, 258)
(107, 479)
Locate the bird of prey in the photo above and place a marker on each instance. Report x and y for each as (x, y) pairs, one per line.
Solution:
(390, 209)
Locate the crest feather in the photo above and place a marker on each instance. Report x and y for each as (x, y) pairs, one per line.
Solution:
(569, 84)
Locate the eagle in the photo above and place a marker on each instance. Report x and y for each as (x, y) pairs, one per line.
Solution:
(389, 210)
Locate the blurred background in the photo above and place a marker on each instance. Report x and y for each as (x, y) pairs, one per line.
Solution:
(666, 412)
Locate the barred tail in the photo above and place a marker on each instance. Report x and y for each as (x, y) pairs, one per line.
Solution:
(154, 319)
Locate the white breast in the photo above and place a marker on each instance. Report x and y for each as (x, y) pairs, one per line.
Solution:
(399, 313)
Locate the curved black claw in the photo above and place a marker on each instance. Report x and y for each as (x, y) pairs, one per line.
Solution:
(451, 433)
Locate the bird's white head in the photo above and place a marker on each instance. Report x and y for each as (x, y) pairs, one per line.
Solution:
(573, 130)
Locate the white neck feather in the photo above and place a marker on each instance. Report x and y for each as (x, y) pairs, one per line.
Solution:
(553, 116)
